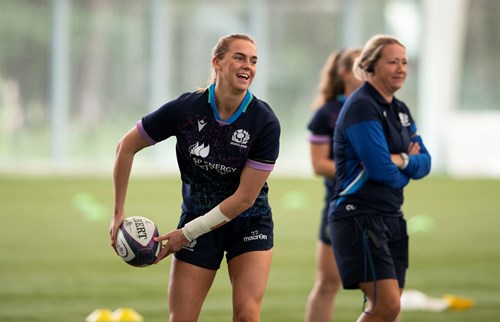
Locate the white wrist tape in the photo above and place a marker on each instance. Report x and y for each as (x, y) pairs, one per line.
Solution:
(203, 224)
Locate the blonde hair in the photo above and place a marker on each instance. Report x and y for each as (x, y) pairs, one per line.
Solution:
(220, 49)
(331, 84)
(372, 51)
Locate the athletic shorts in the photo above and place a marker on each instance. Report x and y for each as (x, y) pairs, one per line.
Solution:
(324, 229)
(369, 248)
(239, 236)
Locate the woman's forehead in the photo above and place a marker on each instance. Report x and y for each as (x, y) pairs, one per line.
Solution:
(394, 50)
(243, 46)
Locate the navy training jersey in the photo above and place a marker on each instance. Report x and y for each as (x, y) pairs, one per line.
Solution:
(368, 130)
(321, 128)
(211, 153)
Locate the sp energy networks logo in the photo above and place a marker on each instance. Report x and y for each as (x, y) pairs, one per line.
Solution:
(199, 152)
(240, 138)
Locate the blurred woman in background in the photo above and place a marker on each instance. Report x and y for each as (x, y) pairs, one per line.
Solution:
(336, 84)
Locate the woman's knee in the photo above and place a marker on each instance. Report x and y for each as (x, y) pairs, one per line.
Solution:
(388, 310)
(246, 315)
(328, 285)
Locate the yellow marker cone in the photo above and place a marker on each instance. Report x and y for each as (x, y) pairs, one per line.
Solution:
(458, 303)
(126, 315)
(100, 315)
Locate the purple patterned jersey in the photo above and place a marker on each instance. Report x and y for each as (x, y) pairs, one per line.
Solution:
(211, 153)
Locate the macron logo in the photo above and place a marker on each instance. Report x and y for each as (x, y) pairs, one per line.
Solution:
(201, 125)
(254, 235)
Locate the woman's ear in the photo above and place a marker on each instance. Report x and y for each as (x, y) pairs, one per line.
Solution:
(370, 68)
(215, 63)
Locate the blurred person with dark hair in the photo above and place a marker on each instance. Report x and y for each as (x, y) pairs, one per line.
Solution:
(337, 83)
(227, 145)
(377, 152)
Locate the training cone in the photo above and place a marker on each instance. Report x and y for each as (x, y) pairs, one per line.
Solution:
(126, 315)
(458, 303)
(414, 300)
(100, 315)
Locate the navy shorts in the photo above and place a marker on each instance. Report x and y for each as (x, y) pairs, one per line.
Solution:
(239, 236)
(324, 229)
(370, 247)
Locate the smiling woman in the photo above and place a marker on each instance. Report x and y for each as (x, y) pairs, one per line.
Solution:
(234, 43)
(234, 69)
(227, 145)
(377, 152)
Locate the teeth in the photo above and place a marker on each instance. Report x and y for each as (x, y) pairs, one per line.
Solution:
(243, 75)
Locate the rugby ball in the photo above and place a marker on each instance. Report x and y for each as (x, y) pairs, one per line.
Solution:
(135, 241)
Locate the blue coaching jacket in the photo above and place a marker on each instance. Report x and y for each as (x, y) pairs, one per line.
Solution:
(368, 130)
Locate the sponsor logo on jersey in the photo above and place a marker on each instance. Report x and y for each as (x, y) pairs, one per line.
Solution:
(405, 119)
(190, 246)
(254, 235)
(201, 125)
(199, 150)
(206, 165)
(240, 138)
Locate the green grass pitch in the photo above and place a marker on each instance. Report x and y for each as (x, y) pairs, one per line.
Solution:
(56, 263)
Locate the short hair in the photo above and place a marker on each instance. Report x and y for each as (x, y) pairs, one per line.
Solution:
(372, 51)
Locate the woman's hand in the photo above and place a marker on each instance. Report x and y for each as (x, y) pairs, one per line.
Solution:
(413, 148)
(116, 221)
(175, 241)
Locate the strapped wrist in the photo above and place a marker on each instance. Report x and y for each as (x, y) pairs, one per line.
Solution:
(203, 224)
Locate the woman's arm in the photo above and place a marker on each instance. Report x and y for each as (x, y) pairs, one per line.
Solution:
(370, 144)
(251, 183)
(320, 160)
(419, 164)
(131, 143)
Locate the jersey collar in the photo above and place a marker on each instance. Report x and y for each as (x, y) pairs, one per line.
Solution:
(243, 106)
